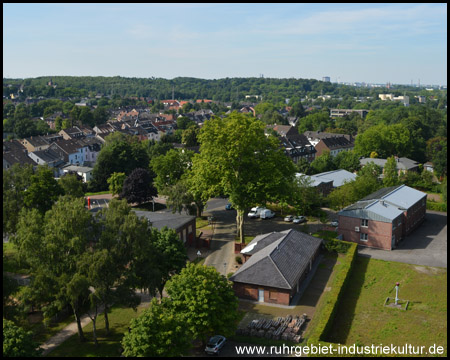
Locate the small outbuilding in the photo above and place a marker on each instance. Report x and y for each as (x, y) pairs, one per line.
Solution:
(275, 266)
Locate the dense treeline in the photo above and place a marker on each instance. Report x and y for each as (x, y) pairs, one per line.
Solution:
(227, 89)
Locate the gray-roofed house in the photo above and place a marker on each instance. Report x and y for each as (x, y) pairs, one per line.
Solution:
(383, 218)
(184, 225)
(275, 267)
(403, 164)
(295, 145)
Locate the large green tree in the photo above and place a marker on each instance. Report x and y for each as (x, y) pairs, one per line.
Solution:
(237, 159)
(120, 153)
(15, 181)
(390, 177)
(205, 301)
(158, 331)
(43, 190)
(172, 254)
(52, 245)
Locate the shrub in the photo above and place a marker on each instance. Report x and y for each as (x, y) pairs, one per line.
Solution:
(435, 206)
(238, 259)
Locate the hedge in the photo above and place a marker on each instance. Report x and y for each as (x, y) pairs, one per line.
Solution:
(329, 304)
(436, 206)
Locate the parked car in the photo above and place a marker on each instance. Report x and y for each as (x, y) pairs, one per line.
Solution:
(289, 218)
(335, 223)
(215, 344)
(255, 212)
(228, 206)
(299, 219)
(267, 214)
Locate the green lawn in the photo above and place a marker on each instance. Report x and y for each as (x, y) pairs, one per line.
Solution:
(11, 261)
(247, 239)
(119, 320)
(363, 319)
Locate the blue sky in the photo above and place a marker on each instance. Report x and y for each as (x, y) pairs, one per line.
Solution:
(373, 43)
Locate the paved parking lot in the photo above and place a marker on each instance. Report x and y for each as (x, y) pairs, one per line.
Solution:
(427, 245)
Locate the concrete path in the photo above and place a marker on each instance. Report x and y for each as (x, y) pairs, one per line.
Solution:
(72, 328)
(221, 254)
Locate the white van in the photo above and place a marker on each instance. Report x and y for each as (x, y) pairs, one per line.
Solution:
(255, 212)
(267, 214)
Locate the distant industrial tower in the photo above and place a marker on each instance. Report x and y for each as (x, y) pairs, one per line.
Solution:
(326, 79)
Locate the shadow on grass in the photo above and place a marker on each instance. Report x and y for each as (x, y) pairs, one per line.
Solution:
(346, 309)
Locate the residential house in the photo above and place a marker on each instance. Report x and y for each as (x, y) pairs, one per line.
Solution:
(35, 143)
(84, 171)
(296, 145)
(48, 157)
(403, 164)
(184, 225)
(72, 151)
(334, 145)
(383, 218)
(92, 147)
(16, 157)
(73, 132)
(334, 113)
(275, 267)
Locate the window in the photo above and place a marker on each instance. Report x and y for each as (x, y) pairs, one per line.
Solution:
(363, 237)
(365, 222)
(272, 295)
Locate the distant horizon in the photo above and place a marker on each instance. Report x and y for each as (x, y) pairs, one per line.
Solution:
(220, 78)
(375, 43)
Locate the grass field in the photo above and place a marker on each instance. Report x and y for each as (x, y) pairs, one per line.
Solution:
(109, 346)
(11, 262)
(364, 320)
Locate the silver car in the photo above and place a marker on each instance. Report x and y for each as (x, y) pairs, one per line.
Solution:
(215, 344)
(299, 219)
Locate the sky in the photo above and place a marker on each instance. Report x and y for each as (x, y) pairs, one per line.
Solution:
(373, 43)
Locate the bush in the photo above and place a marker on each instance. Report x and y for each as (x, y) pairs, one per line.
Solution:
(239, 260)
(337, 246)
(435, 206)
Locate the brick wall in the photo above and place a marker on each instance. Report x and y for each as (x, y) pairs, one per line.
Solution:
(379, 233)
(271, 295)
(321, 147)
(414, 216)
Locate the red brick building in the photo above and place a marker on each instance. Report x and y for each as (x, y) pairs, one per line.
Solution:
(383, 218)
(275, 266)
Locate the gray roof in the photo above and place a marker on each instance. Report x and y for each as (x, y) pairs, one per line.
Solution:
(261, 241)
(168, 219)
(385, 204)
(281, 263)
(338, 176)
(377, 210)
(82, 169)
(403, 163)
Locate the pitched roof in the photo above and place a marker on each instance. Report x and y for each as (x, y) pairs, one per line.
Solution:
(337, 142)
(337, 176)
(18, 156)
(279, 263)
(161, 219)
(403, 163)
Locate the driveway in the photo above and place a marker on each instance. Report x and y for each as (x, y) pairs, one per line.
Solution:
(427, 245)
